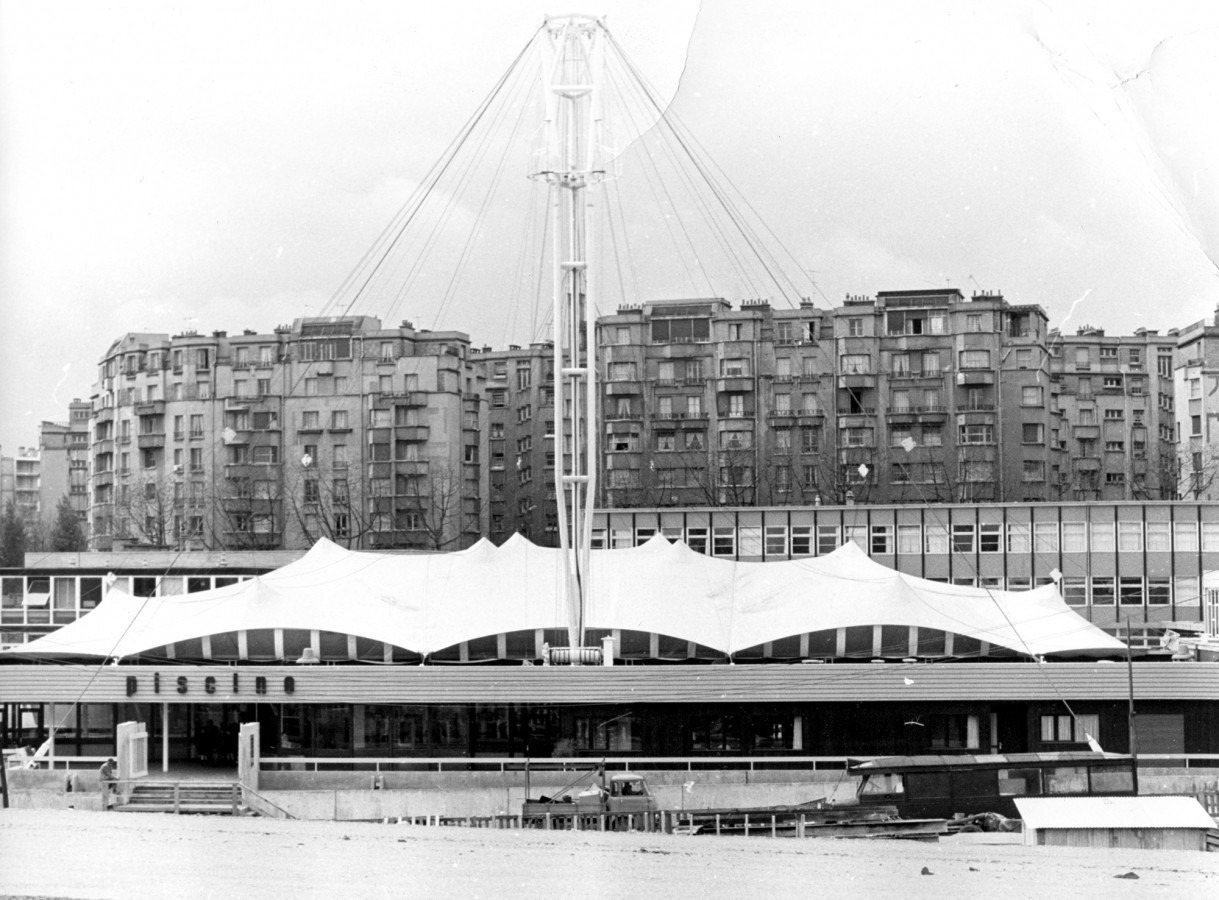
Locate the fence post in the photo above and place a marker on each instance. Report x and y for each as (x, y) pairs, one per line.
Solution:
(800, 826)
(177, 795)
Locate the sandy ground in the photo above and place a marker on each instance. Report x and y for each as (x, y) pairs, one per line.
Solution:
(68, 853)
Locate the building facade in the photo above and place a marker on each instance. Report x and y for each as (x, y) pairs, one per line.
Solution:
(336, 427)
(1116, 395)
(521, 425)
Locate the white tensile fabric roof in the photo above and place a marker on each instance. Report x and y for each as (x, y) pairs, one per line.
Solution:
(426, 602)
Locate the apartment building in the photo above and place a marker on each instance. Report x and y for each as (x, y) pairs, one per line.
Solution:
(1195, 464)
(908, 397)
(64, 448)
(1117, 398)
(520, 440)
(330, 427)
(21, 484)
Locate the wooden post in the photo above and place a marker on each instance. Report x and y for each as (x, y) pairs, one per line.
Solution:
(773, 832)
(746, 824)
(800, 826)
(177, 796)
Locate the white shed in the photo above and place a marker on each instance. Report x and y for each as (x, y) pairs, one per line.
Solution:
(1146, 823)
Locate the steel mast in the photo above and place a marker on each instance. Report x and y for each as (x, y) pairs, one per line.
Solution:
(572, 163)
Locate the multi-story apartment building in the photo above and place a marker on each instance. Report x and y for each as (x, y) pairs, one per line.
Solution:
(1195, 465)
(332, 427)
(911, 397)
(65, 464)
(1117, 397)
(703, 404)
(26, 490)
(520, 441)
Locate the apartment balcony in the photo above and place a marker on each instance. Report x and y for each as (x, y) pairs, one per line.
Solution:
(103, 479)
(623, 388)
(105, 414)
(781, 417)
(150, 408)
(239, 437)
(151, 441)
(1087, 463)
(1086, 432)
(811, 414)
(976, 376)
(735, 384)
(931, 413)
(413, 432)
(237, 402)
(857, 380)
(624, 417)
(856, 411)
(411, 468)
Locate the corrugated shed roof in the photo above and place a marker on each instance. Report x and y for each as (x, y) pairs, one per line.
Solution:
(624, 684)
(1041, 813)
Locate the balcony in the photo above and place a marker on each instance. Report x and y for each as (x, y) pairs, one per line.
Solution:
(151, 441)
(857, 380)
(105, 414)
(735, 384)
(150, 408)
(623, 387)
(1087, 463)
(413, 432)
(857, 411)
(1086, 432)
(976, 376)
(237, 402)
(103, 479)
(411, 468)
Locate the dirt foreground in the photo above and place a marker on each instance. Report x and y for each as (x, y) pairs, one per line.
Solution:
(68, 853)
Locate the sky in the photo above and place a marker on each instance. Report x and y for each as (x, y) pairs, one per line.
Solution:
(166, 167)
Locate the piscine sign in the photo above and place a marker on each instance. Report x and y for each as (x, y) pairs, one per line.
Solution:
(182, 684)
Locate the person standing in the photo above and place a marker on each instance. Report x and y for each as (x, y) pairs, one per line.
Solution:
(109, 783)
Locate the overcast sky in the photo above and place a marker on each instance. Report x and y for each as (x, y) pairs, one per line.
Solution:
(166, 166)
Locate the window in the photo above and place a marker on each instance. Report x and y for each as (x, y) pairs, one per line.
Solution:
(1103, 591)
(196, 459)
(694, 407)
(723, 540)
(855, 327)
(935, 539)
(909, 539)
(1115, 414)
(310, 420)
(338, 420)
(734, 368)
(1115, 446)
(973, 322)
(266, 455)
(783, 440)
(963, 538)
(1033, 470)
(977, 434)
(622, 371)
(1130, 591)
(196, 425)
(666, 441)
(1031, 396)
(1024, 359)
(1033, 433)
(827, 539)
(900, 365)
(680, 330)
(882, 539)
(736, 406)
(975, 359)
(1019, 538)
(859, 364)
(339, 456)
(783, 403)
(1065, 729)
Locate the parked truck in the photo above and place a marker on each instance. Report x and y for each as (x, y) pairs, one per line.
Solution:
(623, 801)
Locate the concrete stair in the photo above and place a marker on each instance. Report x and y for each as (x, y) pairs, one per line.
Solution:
(214, 798)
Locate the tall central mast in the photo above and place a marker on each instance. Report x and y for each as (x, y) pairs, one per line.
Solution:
(572, 164)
